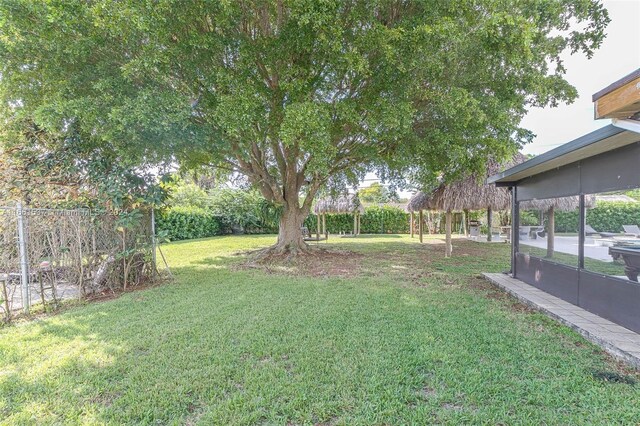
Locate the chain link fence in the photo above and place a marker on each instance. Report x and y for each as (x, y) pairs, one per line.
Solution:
(49, 255)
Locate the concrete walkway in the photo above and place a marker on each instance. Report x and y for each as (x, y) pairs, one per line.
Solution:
(620, 342)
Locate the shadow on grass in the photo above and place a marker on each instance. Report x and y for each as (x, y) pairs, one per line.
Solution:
(366, 236)
(232, 346)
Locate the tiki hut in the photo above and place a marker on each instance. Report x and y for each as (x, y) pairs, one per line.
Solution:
(550, 206)
(349, 204)
(472, 193)
(417, 204)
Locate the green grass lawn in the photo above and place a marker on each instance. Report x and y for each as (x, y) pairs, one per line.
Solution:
(385, 332)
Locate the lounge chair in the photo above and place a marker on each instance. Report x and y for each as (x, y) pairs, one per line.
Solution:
(631, 230)
(589, 231)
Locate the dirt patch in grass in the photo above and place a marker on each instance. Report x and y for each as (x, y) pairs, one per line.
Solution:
(317, 263)
(614, 377)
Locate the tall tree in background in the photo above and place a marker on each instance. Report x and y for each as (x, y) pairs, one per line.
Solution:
(293, 94)
(378, 193)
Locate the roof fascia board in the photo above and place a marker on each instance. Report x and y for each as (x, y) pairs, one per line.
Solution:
(579, 143)
(627, 124)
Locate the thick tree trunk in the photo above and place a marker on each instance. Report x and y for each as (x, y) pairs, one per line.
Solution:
(290, 238)
(489, 223)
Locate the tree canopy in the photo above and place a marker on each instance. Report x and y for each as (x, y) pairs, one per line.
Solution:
(293, 94)
(378, 193)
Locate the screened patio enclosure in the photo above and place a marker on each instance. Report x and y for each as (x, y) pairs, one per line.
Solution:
(596, 261)
(596, 278)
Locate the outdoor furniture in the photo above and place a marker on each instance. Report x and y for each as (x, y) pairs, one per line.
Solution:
(507, 231)
(588, 230)
(495, 233)
(621, 244)
(631, 230)
(474, 228)
(306, 235)
(530, 232)
(631, 257)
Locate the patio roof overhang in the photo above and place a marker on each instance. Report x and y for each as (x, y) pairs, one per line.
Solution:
(620, 99)
(608, 138)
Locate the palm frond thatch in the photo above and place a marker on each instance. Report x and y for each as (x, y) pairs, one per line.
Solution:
(346, 204)
(565, 204)
(421, 201)
(473, 193)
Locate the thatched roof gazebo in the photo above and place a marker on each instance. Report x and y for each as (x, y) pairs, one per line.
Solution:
(349, 204)
(550, 206)
(420, 201)
(346, 204)
(472, 193)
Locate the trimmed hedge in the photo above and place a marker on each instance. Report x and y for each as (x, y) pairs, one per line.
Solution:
(186, 223)
(606, 216)
(384, 220)
(375, 220)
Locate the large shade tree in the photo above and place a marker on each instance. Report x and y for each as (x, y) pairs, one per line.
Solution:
(293, 94)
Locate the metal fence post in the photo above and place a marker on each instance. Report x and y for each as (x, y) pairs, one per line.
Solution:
(24, 259)
(153, 240)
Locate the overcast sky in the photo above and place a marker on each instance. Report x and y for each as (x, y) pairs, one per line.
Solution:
(618, 56)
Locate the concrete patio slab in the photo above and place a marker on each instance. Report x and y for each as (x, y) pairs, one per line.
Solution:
(620, 342)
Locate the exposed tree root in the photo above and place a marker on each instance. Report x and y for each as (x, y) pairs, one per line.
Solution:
(280, 252)
(287, 255)
(312, 261)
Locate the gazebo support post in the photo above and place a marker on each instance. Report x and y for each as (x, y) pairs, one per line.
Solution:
(318, 227)
(411, 223)
(581, 231)
(448, 248)
(465, 214)
(515, 228)
(359, 223)
(420, 226)
(355, 224)
(324, 224)
(551, 225)
(489, 221)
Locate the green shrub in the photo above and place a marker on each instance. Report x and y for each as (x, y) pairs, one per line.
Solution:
(375, 220)
(529, 217)
(384, 220)
(606, 216)
(237, 210)
(185, 223)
